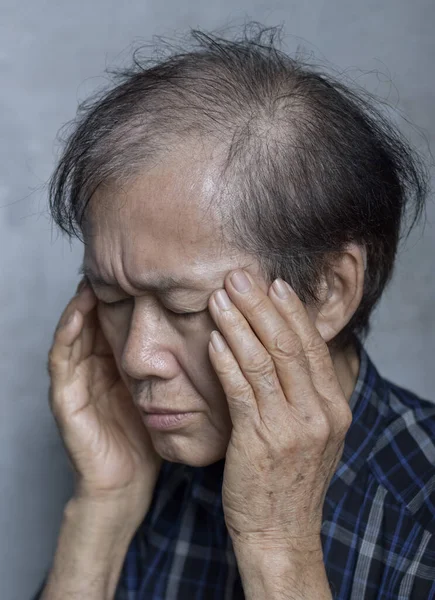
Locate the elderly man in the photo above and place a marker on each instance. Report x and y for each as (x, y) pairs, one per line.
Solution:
(230, 436)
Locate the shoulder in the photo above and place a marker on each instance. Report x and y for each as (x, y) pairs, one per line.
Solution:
(403, 457)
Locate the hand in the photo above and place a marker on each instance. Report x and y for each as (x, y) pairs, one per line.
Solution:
(289, 417)
(106, 441)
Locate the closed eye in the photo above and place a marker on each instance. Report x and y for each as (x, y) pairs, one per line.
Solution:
(183, 315)
(186, 315)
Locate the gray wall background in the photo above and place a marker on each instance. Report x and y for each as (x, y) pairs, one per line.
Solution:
(53, 53)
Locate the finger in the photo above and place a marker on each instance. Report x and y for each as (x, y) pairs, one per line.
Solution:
(280, 342)
(315, 349)
(67, 341)
(65, 335)
(317, 352)
(86, 304)
(240, 395)
(93, 338)
(254, 361)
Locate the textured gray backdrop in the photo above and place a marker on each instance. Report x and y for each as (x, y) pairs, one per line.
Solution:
(53, 53)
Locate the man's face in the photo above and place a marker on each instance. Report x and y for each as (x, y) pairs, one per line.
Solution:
(158, 227)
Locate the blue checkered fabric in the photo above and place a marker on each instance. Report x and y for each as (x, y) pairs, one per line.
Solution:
(378, 530)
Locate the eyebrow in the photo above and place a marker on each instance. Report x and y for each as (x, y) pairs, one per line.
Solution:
(165, 283)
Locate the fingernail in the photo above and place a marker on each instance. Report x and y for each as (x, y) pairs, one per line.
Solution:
(81, 285)
(217, 341)
(223, 300)
(280, 288)
(70, 319)
(240, 282)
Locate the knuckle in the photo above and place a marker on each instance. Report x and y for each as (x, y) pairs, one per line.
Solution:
(239, 391)
(321, 429)
(51, 361)
(260, 365)
(258, 304)
(288, 345)
(316, 346)
(235, 386)
(55, 364)
(225, 369)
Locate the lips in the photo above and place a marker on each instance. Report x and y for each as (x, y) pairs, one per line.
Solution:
(167, 420)
(164, 411)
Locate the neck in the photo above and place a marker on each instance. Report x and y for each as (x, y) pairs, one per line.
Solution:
(346, 364)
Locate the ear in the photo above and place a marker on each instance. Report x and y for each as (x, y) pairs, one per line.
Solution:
(342, 290)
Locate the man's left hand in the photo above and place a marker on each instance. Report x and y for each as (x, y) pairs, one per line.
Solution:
(288, 411)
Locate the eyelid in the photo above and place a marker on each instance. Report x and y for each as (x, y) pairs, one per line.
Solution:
(185, 315)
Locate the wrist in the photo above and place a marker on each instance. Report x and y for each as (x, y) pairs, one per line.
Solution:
(101, 518)
(128, 505)
(278, 572)
(298, 548)
(279, 559)
(92, 544)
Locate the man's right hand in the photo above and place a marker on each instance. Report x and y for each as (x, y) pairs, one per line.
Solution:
(105, 438)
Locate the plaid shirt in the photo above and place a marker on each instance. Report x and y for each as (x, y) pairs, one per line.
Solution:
(379, 513)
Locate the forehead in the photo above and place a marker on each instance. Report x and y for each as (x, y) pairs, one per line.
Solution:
(164, 222)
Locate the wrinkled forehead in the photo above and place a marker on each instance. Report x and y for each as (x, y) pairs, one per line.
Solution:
(164, 217)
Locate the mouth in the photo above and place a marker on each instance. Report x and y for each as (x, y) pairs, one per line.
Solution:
(166, 420)
(161, 411)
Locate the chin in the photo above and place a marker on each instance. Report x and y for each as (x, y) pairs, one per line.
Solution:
(188, 451)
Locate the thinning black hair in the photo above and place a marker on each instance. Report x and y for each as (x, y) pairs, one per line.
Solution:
(310, 163)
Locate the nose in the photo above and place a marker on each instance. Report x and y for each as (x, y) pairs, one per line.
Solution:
(151, 344)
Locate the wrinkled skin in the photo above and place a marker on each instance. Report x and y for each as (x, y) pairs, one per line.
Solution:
(163, 224)
(130, 349)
